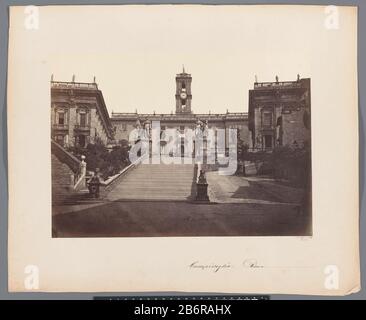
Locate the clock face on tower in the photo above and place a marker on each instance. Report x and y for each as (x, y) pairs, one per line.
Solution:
(183, 95)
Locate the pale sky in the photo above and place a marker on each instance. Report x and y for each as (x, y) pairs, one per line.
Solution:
(133, 69)
(136, 51)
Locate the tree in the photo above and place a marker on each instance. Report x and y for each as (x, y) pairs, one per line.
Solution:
(118, 159)
(97, 157)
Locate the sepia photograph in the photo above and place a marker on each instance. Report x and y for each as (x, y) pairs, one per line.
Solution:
(182, 173)
(183, 148)
(236, 161)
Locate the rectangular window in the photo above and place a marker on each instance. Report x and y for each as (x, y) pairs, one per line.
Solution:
(267, 119)
(82, 119)
(61, 118)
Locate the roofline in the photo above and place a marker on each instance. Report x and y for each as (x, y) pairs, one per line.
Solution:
(178, 117)
(90, 87)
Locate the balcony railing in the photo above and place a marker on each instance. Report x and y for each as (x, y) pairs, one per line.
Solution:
(177, 117)
(266, 128)
(58, 126)
(82, 127)
(74, 85)
(66, 157)
(282, 84)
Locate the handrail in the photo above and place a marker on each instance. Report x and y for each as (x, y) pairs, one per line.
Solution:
(66, 157)
(109, 183)
(80, 179)
(77, 167)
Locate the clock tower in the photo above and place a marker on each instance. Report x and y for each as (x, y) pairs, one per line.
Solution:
(183, 95)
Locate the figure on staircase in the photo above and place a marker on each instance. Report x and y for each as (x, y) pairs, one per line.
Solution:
(94, 184)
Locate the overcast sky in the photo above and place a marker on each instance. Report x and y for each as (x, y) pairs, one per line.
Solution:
(136, 51)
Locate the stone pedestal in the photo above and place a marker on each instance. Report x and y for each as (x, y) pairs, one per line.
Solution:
(202, 186)
(202, 192)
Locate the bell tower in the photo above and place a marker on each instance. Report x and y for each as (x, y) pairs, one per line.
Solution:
(183, 95)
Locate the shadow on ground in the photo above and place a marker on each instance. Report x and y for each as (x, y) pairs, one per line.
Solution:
(167, 219)
(255, 192)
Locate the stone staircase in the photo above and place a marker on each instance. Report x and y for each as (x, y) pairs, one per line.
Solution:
(61, 180)
(155, 182)
(63, 168)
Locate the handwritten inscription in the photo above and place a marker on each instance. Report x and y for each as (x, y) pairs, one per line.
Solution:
(248, 263)
(213, 267)
(251, 263)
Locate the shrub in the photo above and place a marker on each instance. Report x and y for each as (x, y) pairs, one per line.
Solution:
(293, 164)
(97, 157)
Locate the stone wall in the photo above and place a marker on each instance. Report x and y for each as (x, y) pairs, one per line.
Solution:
(294, 128)
(288, 107)
(97, 128)
(124, 127)
(61, 179)
(72, 104)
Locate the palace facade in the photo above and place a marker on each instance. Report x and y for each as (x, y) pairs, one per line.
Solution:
(279, 114)
(183, 118)
(78, 114)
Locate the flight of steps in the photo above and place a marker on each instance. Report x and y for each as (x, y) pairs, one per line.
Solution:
(61, 180)
(155, 182)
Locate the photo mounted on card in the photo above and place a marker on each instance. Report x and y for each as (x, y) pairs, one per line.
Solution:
(189, 148)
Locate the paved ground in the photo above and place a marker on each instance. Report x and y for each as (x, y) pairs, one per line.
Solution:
(242, 207)
(157, 218)
(235, 189)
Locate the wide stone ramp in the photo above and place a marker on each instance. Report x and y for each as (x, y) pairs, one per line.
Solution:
(155, 182)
